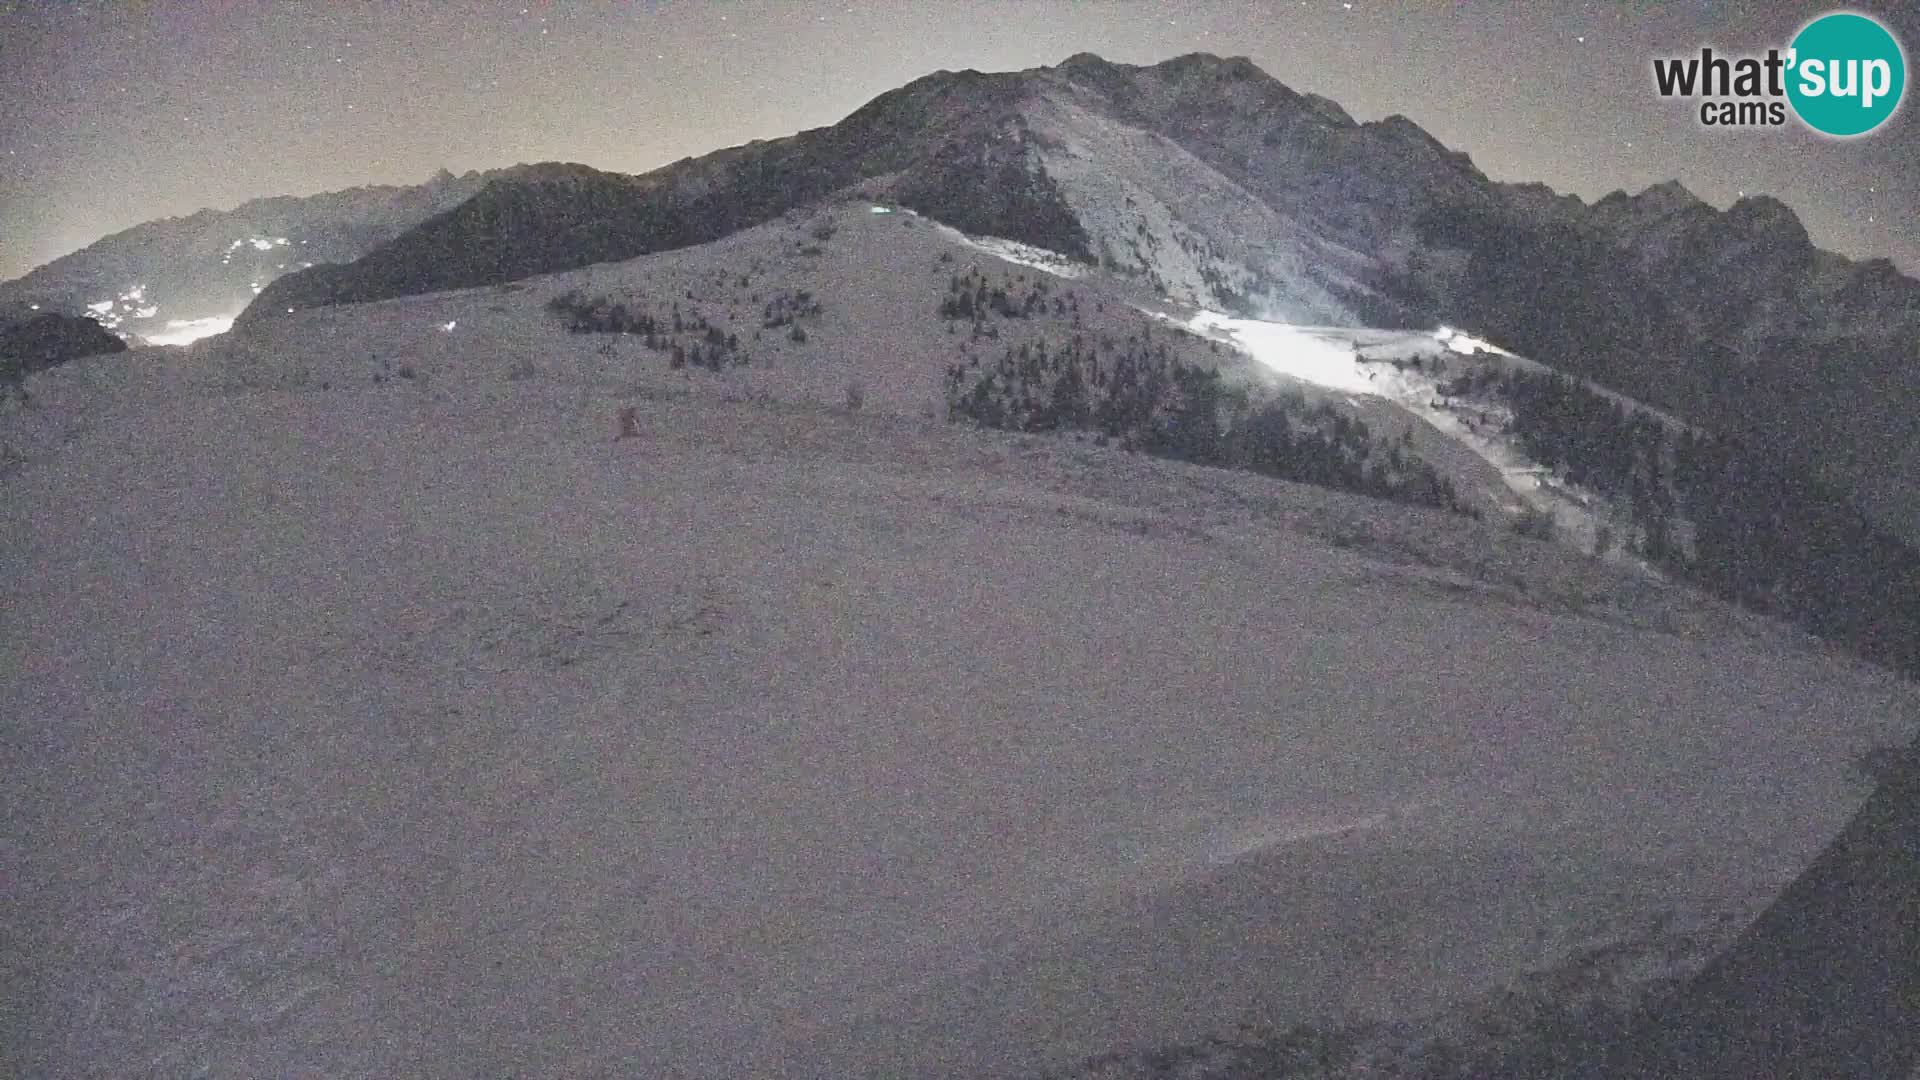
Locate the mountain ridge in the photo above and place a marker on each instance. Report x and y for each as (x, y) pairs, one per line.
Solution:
(1213, 183)
(210, 263)
(1202, 102)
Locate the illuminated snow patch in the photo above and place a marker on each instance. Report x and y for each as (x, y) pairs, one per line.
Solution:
(262, 245)
(100, 307)
(1466, 344)
(449, 325)
(1291, 351)
(33, 307)
(147, 312)
(1013, 251)
(880, 210)
(187, 331)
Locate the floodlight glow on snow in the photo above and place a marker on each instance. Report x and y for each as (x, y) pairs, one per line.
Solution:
(187, 331)
(1467, 344)
(1290, 351)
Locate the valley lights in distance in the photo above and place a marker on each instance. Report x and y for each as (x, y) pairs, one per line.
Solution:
(1844, 74)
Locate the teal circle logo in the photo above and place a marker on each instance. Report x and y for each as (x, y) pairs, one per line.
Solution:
(1846, 74)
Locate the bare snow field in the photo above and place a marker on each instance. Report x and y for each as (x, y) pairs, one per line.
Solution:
(423, 728)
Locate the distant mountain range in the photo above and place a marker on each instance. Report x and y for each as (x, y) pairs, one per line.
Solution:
(210, 265)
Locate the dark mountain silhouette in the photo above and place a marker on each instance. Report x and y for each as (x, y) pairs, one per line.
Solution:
(985, 153)
(31, 342)
(1729, 318)
(938, 132)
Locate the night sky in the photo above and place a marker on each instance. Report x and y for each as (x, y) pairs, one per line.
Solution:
(112, 114)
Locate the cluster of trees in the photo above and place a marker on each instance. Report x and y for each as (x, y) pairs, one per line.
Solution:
(970, 297)
(1592, 440)
(1550, 291)
(1149, 399)
(788, 308)
(1764, 534)
(1776, 538)
(602, 315)
(688, 339)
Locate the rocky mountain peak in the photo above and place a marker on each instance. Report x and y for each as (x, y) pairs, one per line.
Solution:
(1668, 195)
(1764, 215)
(1405, 132)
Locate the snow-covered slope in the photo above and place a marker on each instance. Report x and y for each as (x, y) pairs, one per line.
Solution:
(377, 711)
(877, 280)
(876, 274)
(1411, 371)
(872, 286)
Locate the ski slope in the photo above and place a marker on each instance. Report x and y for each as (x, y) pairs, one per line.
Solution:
(1374, 363)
